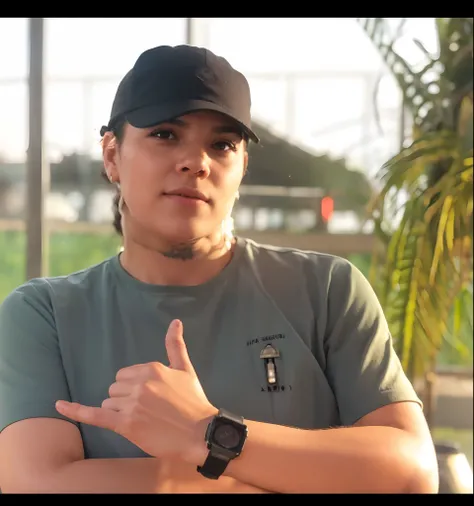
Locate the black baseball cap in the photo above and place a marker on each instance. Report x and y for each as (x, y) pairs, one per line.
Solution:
(170, 81)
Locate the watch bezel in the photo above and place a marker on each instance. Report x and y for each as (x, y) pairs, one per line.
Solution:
(218, 421)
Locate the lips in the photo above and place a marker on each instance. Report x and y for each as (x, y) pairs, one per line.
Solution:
(189, 193)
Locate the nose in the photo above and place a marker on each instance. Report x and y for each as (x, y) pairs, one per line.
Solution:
(196, 163)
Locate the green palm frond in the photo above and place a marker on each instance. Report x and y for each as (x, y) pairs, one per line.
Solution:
(424, 267)
(433, 93)
(427, 266)
(421, 95)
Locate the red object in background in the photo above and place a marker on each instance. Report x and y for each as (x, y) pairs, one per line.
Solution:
(327, 208)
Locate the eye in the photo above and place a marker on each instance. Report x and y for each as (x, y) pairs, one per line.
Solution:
(225, 146)
(163, 134)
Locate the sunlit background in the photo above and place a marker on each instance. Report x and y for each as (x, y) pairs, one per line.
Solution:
(315, 83)
(323, 102)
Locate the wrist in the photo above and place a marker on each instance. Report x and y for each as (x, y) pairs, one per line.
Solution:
(198, 450)
(225, 437)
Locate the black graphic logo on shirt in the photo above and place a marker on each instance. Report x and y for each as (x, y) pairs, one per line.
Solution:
(276, 388)
(265, 339)
(270, 356)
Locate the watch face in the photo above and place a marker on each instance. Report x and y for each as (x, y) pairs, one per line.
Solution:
(227, 436)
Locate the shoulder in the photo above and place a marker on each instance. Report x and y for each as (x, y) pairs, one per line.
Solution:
(331, 283)
(40, 293)
(322, 266)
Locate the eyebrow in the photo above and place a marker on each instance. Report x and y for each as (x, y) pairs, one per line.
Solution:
(221, 129)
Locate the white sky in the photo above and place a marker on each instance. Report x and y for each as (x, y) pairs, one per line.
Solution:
(326, 111)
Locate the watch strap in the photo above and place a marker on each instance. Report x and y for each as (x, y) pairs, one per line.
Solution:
(227, 414)
(214, 466)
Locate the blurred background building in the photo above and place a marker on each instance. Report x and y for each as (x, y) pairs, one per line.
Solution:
(313, 90)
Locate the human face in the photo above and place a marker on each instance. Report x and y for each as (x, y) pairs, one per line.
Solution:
(179, 180)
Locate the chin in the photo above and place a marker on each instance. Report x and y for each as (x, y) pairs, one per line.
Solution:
(181, 233)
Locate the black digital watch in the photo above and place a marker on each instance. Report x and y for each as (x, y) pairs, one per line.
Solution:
(225, 438)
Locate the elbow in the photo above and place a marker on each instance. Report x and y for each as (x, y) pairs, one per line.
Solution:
(424, 481)
(424, 474)
(413, 464)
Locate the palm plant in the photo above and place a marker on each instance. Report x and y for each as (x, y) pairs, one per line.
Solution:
(424, 272)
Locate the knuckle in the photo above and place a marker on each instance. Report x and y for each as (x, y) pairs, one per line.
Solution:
(157, 369)
(120, 373)
(105, 403)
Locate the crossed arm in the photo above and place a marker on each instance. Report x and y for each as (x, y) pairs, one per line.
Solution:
(388, 450)
(165, 412)
(46, 456)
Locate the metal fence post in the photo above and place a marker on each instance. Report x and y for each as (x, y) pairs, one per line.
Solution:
(37, 176)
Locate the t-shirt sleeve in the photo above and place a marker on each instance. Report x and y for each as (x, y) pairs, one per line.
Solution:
(363, 368)
(32, 377)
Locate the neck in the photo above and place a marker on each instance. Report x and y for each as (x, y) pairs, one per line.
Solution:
(186, 264)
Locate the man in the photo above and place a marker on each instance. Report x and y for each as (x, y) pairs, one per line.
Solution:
(286, 380)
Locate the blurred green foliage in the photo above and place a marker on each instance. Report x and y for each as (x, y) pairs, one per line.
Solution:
(68, 252)
(424, 275)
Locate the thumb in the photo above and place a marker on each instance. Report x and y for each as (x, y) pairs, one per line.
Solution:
(176, 348)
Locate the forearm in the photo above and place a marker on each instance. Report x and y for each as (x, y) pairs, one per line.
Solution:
(180, 477)
(122, 476)
(344, 460)
(135, 475)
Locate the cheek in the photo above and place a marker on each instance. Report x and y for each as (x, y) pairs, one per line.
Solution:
(234, 181)
(229, 176)
(141, 175)
(227, 188)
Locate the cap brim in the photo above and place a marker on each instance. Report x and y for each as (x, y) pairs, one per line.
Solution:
(154, 115)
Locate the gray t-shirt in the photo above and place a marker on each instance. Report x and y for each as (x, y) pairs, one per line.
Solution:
(66, 338)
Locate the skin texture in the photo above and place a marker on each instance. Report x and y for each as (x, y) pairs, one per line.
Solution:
(203, 151)
(164, 410)
(168, 240)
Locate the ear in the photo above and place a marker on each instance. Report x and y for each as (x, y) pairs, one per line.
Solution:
(110, 153)
(246, 162)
